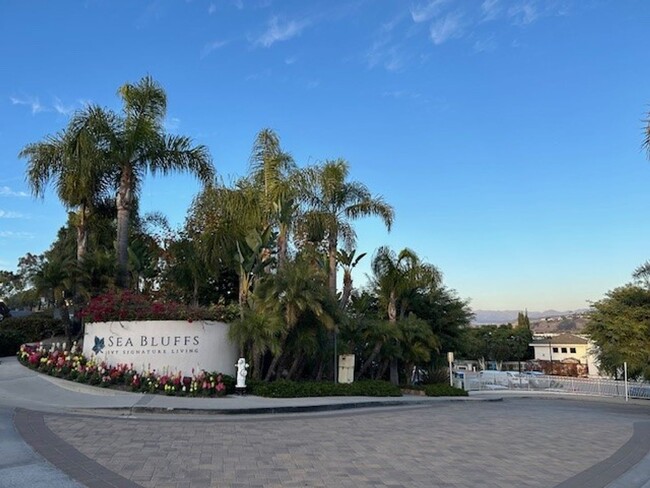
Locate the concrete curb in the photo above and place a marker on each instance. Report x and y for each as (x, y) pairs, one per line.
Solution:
(330, 407)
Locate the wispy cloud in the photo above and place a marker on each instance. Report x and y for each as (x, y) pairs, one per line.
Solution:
(491, 9)
(389, 56)
(427, 11)
(239, 4)
(281, 30)
(212, 46)
(32, 102)
(6, 191)
(445, 28)
(8, 234)
(4, 214)
(485, 45)
(290, 60)
(61, 108)
(212, 9)
(35, 105)
(524, 13)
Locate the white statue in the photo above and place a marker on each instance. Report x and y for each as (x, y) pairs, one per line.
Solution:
(242, 372)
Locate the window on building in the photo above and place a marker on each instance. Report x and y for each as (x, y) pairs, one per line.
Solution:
(573, 350)
(564, 349)
(555, 349)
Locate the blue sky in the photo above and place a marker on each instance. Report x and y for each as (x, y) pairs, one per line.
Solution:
(506, 133)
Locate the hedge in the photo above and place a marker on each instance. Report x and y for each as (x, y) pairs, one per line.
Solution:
(293, 389)
(15, 331)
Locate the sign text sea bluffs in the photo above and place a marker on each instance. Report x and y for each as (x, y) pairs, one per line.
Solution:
(163, 345)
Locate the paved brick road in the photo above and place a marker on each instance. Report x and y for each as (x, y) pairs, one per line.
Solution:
(515, 444)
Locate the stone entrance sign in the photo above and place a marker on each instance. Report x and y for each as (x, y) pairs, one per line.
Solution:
(167, 346)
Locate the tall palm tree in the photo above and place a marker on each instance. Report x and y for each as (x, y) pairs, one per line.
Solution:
(74, 162)
(271, 170)
(138, 144)
(333, 202)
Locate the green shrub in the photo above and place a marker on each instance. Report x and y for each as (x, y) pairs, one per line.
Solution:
(443, 389)
(15, 331)
(229, 381)
(294, 389)
(10, 342)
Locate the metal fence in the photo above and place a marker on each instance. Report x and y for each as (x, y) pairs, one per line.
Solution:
(474, 381)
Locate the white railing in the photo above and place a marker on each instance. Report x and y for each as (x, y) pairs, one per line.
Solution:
(554, 384)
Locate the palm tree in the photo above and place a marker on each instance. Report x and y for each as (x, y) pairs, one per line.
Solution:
(256, 334)
(397, 278)
(290, 294)
(332, 202)
(137, 144)
(271, 170)
(74, 162)
(349, 262)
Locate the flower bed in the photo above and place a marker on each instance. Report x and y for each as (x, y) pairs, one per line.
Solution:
(70, 364)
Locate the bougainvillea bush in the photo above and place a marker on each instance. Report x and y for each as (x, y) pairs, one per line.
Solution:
(127, 305)
(57, 360)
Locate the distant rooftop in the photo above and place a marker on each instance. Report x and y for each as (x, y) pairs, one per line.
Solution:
(562, 339)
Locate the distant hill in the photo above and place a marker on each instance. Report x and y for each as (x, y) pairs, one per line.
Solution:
(483, 317)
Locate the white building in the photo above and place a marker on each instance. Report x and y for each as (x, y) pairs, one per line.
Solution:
(566, 349)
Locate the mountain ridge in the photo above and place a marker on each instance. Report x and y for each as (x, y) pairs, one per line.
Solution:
(483, 317)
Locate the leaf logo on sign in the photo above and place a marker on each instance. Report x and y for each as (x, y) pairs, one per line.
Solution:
(99, 345)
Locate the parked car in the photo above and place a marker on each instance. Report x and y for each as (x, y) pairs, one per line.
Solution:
(510, 379)
(4, 311)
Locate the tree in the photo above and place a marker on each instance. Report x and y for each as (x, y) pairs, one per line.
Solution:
(292, 293)
(619, 325)
(137, 144)
(523, 320)
(74, 162)
(397, 280)
(332, 202)
(271, 172)
(348, 260)
(641, 275)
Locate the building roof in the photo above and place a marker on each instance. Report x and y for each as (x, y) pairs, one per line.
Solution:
(565, 339)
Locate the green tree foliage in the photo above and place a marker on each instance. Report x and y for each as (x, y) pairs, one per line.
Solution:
(332, 203)
(74, 162)
(496, 343)
(523, 320)
(136, 144)
(620, 327)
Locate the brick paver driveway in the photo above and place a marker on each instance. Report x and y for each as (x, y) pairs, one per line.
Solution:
(514, 443)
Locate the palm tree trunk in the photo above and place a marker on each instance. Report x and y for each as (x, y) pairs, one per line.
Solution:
(82, 235)
(382, 370)
(294, 366)
(123, 202)
(243, 292)
(347, 289)
(272, 367)
(371, 358)
(332, 246)
(392, 307)
(321, 368)
(392, 318)
(195, 292)
(282, 247)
